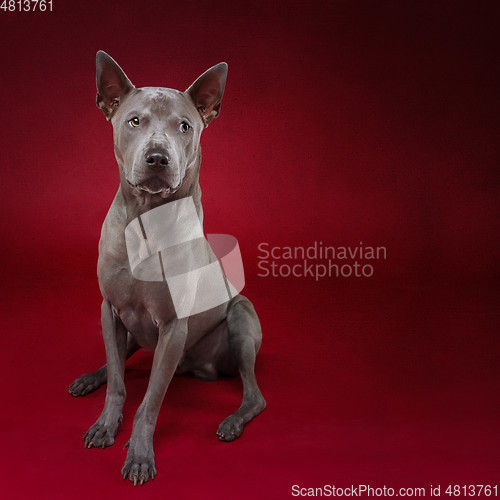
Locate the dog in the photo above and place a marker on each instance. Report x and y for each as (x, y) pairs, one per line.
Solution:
(156, 133)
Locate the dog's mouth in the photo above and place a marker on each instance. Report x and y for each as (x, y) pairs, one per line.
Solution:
(154, 186)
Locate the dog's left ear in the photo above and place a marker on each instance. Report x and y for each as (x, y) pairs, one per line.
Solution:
(207, 91)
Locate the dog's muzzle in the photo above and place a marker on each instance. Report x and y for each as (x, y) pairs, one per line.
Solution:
(155, 185)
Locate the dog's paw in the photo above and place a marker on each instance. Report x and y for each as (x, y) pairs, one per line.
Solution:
(230, 428)
(87, 383)
(100, 435)
(139, 469)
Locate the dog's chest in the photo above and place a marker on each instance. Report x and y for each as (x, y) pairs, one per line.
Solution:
(141, 306)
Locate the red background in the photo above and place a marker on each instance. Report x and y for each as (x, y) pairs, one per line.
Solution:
(342, 122)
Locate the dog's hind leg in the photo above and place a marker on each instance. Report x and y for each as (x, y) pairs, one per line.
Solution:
(89, 382)
(245, 338)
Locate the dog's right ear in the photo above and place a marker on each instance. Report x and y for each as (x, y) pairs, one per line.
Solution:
(112, 84)
(207, 91)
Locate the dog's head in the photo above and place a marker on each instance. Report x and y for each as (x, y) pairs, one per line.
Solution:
(157, 130)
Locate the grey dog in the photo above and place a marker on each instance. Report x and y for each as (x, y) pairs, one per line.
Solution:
(156, 135)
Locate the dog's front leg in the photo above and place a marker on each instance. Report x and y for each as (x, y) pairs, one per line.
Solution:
(103, 432)
(139, 464)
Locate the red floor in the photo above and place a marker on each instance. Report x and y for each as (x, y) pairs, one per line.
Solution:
(393, 386)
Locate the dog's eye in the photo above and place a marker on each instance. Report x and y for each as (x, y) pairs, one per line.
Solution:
(134, 122)
(184, 127)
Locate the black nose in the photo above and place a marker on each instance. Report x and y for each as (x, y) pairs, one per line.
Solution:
(157, 160)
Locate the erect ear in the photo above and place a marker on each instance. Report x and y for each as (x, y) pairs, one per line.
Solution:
(206, 92)
(112, 84)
